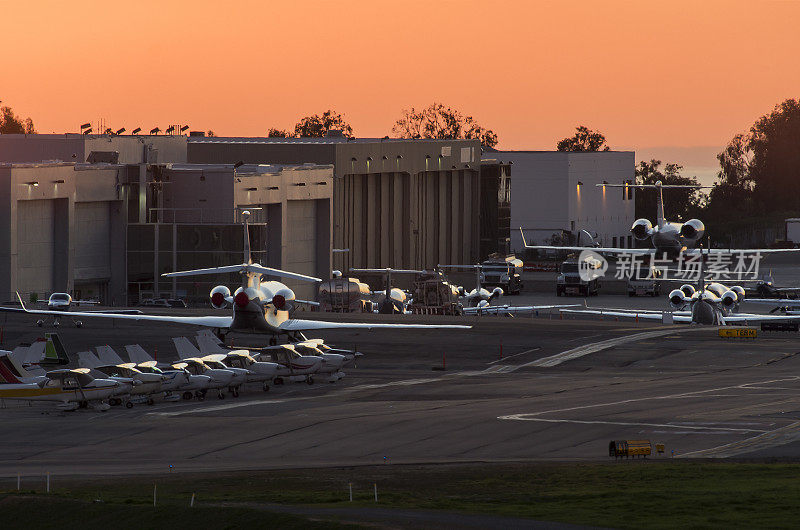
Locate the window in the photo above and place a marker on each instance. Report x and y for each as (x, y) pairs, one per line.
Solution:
(614, 241)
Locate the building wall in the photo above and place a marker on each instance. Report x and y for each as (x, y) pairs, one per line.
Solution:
(58, 223)
(545, 198)
(73, 147)
(396, 203)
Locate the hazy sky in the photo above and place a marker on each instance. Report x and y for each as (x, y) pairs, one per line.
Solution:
(649, 75)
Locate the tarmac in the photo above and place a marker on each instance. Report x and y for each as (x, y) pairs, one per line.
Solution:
(537, 388)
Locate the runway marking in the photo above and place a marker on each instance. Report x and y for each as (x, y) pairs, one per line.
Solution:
(524, 417)
(226, 406)
(515, 355)
(586, 349)
(781, 436)
(681, 395)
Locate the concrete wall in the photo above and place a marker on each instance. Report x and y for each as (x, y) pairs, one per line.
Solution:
(396, 203)
(42, 239)
(76, 147)
(545, 198)
(294, 201)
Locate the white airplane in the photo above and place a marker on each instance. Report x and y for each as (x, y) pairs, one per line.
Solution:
(332, 363)
(293, 365)
(219, 379)
(180, 379)
(257, 371)
(187, 350)
(145, 385)
(63, 301)
(60, 303)
(395, 300)
(260, 307)
(711, 303)
(478, 300)
(479, 296)
(672, 238)
(69, 389)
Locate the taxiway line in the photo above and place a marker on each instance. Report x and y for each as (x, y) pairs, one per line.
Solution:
(586, 349)
(523, 417)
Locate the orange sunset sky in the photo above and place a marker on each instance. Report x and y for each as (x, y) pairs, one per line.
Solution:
(652, 76)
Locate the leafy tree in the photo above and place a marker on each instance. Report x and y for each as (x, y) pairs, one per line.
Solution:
(11, 124)
(759, 170)
(584, 139)
(278, 133)
(317, 125)
(683, 203)
(442, 123)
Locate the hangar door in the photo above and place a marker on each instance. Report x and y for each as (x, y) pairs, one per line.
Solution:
(35, 247)
(92, 269)
(300, 246)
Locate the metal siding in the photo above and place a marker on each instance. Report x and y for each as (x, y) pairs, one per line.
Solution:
(92, 238)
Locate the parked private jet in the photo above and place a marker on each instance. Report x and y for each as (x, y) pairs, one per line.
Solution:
(260, 307)
(709, 303)
(672, 238)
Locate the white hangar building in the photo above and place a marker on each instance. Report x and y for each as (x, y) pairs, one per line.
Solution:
(555, 193)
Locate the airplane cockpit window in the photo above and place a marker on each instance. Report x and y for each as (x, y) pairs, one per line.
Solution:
(59, 297)
(70, 383)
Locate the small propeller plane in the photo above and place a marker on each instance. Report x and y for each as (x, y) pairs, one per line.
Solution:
(259, 307)
(69, 389)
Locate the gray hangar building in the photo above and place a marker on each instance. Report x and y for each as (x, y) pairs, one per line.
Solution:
(396, 203)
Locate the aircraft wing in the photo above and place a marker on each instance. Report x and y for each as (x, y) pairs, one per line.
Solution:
(696, 251)
(244, 267)
(678, 316)
(296, 324)
(205, 321)
(750, 318)
(494, 309)
(775, 302)
(607, 250)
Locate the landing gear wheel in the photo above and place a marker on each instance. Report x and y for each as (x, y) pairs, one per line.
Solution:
(266, 387)
(310, 380)
(151, 401)
(129, 405)
(221, 395)
(78, 324)
(187, 396)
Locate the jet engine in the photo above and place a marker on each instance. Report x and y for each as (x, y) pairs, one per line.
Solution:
(687, 290)
(282, 297)
(693, 229)
(219, 296)
(677, 300)
(642, 229)
(730, 299)
(739, 291)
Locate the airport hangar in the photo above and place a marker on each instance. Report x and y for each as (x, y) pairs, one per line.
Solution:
(556, 194)
(163, 203)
